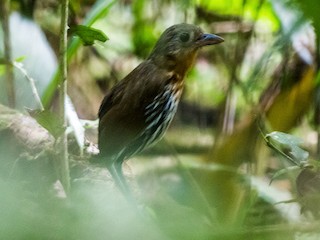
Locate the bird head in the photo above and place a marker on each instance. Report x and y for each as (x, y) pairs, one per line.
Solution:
(178, 46)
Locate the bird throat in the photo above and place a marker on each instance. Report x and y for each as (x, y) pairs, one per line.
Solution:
(179, 64)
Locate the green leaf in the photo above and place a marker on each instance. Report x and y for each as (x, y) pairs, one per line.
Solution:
(20, 59)
(284, 171)
(311, 10)
(88, 34)
(48, 120)
(284, 138)
(288, 145)
(99, 10)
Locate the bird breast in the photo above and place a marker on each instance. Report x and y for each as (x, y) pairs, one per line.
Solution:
(160, 112)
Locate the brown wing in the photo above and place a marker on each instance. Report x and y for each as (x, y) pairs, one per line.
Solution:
(122, 112)
(111, 99)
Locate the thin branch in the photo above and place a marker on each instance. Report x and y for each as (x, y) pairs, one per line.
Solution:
(32, 84)
(62, 144)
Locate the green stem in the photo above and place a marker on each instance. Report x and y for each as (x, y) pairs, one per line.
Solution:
(62, 144)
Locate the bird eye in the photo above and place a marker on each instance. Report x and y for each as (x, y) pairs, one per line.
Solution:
(184, 37)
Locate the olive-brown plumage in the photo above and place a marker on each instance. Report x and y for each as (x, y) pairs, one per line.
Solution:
(138, 109)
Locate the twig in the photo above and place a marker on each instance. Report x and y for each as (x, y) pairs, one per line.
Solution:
(32, 84)
(62, 144)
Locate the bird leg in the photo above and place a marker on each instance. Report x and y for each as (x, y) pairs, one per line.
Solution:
(115, 170)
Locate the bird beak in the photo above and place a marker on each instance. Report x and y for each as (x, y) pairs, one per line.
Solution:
(209, 39)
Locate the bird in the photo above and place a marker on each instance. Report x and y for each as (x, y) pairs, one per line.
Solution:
(138, 110)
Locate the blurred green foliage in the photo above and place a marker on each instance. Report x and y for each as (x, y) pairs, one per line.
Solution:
(186, 198)
(309, 8)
